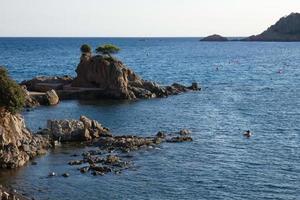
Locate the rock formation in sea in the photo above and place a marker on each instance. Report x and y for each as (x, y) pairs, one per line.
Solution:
(286, 29)
(115, 80)
(83, 129)
(17, 143)
(104, 77)
(214, 38)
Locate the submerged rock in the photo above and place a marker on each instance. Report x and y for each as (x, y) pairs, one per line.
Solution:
(10, 194)
(180, 139)
(65, 175)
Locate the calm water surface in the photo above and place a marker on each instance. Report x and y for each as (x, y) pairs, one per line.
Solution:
(252, 86)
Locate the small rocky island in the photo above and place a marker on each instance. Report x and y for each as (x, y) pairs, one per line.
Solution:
(214, 38)
(287, 29)
(99, 76)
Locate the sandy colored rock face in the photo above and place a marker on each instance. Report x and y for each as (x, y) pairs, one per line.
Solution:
(117, 81)
(83, 129)
(17, 144)
(109, 75)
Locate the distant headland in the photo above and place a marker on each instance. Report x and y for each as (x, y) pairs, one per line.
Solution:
(286, 29)
(214, 37)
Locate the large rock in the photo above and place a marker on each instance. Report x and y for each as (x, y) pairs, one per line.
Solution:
(286, 29)
(17, 144)
(83, 129)
(113, 79)
(34, 99)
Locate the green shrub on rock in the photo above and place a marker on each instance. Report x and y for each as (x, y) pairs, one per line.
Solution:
(85, 48)
(108, 49)
(12, 96)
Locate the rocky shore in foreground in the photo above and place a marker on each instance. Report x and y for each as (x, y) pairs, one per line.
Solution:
(109, 153)
(17, 144)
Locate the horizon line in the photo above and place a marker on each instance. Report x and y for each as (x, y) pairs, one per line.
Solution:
(116, 36)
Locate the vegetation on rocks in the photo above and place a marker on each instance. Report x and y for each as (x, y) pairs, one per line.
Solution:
(85, 48)
(12, 96)
(108, 49)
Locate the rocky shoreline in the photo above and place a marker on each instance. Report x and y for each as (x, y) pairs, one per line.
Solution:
(17, 144)
(109, 153)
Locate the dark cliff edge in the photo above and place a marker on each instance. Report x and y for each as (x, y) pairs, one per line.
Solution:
(287, 29)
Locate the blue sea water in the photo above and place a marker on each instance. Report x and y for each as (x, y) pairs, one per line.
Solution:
(246, 85)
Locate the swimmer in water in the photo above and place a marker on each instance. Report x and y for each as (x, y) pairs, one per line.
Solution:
(247, 134)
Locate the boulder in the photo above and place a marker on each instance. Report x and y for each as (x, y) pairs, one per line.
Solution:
(184, 132)
(83, 129)
(17, 144)
(34, 99)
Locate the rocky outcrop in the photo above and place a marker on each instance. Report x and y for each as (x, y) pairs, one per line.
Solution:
(286, 29)
(114, 80)
(214, 38)
(111, 154)
(34, 99)
(17, 144)
(83, 129)
(47, 83)
(102, 77)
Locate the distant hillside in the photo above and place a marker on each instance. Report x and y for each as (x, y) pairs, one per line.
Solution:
(286, 29)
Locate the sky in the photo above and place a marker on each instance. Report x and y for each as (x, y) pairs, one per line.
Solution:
(140, 18)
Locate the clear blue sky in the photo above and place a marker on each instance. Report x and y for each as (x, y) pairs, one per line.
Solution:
(123, 18)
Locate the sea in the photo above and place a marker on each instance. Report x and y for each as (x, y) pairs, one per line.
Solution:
(245, 86)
